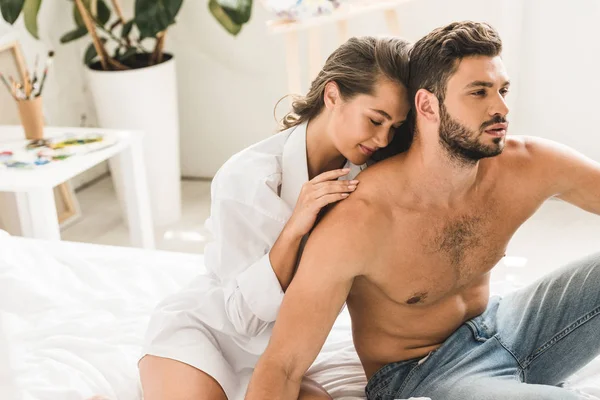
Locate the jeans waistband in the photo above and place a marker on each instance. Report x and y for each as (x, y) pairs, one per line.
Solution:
(397, 370)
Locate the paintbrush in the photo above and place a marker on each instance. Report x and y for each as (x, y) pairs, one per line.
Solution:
(3, 78)
(48, 64)
(35, 69)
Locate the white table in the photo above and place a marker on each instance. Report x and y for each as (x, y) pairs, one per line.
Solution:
(340, 17)
(33, 188)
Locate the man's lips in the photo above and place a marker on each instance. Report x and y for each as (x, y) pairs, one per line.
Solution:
(497, 130)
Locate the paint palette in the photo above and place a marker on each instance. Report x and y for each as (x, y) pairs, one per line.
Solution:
(42, 152)
(301, 9)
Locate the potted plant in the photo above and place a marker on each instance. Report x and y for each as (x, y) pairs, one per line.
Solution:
(132, 79)
(133, 85)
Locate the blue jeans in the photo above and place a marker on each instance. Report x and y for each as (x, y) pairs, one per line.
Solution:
(522, 347)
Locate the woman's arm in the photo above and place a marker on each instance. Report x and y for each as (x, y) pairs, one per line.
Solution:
(252, 254)
(284, 254)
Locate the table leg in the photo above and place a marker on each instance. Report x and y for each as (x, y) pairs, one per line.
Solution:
(37, 214)
(293, 63)
(342, 31)
(314, 53)
(130, 165)
(391, 20)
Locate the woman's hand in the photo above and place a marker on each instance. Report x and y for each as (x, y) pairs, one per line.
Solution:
(317, 193)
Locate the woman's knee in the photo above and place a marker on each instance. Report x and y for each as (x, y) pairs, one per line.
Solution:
(167, 379)
(311, 390)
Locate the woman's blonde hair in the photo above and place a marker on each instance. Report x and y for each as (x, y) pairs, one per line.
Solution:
(355, 67)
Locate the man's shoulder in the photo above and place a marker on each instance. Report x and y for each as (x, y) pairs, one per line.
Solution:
(348, 234)
(361, 214)
(526, 151)
(516, 154)
(515, 146)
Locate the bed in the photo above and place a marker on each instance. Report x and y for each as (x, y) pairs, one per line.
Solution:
(74, 316)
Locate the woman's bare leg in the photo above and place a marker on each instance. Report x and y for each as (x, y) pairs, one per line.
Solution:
(311, 390)
(166, 379)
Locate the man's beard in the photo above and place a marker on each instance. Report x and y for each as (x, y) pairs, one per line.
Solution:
(462, 144)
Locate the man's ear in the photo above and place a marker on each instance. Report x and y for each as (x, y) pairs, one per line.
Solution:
(427, 105)
(331, 94)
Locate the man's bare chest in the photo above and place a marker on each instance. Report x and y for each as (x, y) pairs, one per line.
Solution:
(437, 255)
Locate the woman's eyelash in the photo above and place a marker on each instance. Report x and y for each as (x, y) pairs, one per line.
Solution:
(375, 123)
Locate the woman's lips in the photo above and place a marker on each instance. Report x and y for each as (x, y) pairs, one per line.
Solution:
(367, 150)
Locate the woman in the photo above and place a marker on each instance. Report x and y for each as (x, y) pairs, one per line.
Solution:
(204, 342)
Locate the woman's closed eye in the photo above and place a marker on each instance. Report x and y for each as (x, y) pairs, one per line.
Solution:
(376, 123)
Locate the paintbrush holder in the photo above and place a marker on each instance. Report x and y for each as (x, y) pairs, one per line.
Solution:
(32, 117)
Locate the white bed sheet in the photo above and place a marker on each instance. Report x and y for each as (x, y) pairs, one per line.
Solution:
(75, 315)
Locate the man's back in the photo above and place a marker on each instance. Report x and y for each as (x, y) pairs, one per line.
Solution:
(430, 270)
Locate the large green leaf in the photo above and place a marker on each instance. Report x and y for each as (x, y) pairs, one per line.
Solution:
(11, 9)
(75, 34)
(241, 12)
(30, 14)
(103, 13)
(154, 16)
(226, 17)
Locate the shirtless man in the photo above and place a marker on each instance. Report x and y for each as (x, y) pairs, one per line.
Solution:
(413, 262)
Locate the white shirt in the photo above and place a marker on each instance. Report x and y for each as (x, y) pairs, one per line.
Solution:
(253, 196)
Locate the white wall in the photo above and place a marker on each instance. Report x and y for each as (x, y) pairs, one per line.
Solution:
(560, 80)
(228, 86)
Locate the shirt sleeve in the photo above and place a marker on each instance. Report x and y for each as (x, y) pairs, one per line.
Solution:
(239, 256)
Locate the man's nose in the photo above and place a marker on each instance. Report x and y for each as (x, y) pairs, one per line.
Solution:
(499, 107)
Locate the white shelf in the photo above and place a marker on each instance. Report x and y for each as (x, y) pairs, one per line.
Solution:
(344, 12)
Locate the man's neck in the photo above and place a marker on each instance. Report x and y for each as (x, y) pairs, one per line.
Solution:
(437, 178)
(321, 153)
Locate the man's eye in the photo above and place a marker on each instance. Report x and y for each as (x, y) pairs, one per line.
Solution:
(376, 123)
(504, 92)
(479, 93)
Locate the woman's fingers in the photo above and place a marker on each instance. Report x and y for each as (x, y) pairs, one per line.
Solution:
(326, 188)
(331, 198)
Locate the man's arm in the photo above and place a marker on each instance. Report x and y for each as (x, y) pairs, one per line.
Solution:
(334, 255)
(568, 174)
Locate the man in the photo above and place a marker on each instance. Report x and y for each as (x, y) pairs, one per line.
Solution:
(413, 262)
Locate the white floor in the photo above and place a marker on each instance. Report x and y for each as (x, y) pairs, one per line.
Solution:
(101, 220)
(557, 234)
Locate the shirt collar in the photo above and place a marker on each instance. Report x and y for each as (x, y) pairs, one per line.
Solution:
(294, 168)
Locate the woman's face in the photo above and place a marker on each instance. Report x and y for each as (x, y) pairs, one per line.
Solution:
(365, 123)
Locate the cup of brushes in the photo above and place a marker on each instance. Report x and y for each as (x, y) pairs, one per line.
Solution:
(28, 96)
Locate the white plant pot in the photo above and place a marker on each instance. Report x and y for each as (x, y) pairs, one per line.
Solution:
(145, 99)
